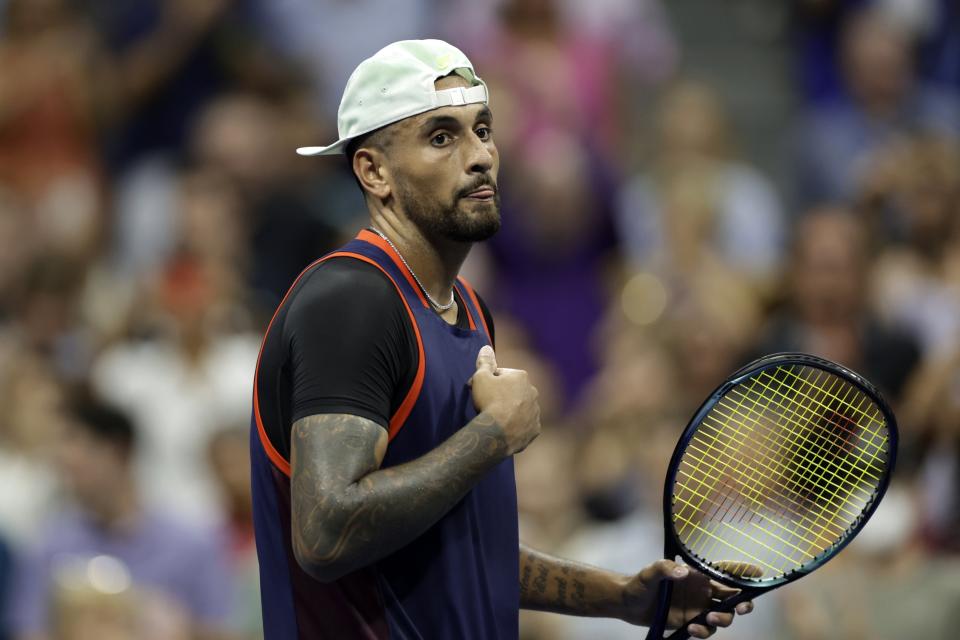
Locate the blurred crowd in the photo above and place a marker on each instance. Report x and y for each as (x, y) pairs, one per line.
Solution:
(152, 214)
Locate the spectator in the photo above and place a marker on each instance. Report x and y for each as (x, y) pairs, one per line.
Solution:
(561, 75)
(292, 217)
(696, 199)
(913, 206)
(49, 313)
(169, 58)
(188, 364)
(48, 109)
(819, 27)
(94, 455)
(931, 415)
(322, 36)
(31, 396)
(883, 100)
(607, 54)
(825, 311)
(549, 256)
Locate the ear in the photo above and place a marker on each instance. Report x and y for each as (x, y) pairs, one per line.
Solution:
(372, 172)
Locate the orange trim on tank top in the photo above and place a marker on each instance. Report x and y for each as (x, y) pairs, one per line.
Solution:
(476, 305)
(403, 411)
(372, 238)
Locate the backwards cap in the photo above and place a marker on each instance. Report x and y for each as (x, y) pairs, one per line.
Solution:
(396, 83)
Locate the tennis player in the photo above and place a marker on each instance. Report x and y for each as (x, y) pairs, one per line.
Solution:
(384, 429)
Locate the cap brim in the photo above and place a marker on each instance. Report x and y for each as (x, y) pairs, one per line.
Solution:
(337, 147)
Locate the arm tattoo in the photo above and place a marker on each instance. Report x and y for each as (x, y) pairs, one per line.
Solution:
(347, 513)
(563, 586)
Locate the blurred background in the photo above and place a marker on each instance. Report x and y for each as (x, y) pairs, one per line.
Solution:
(686, 185)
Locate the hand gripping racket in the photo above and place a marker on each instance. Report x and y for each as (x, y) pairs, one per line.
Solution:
(779, 469)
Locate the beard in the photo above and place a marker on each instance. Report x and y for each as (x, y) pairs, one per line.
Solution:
(452, 219)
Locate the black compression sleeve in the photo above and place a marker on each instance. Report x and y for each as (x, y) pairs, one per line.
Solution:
(350, 343)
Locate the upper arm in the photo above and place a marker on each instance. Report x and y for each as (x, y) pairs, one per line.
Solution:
(328, 454)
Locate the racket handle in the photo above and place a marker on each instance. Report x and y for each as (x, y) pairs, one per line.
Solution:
(659, 625)
(725, 607)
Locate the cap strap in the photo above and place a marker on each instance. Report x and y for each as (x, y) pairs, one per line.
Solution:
(459, 96)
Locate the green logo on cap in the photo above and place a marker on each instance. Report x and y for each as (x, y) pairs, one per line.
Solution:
(444, 61)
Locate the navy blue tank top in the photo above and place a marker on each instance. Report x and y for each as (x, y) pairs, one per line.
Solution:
(457, 580)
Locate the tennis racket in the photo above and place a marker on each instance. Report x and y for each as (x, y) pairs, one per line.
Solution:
(777, 471)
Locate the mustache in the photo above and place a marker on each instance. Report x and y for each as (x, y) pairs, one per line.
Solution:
(483, 181)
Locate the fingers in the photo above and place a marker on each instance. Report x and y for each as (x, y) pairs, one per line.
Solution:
(486, 360)
(715, 620)
(664, 570)
(486, 363)
(741, 569)
(744, 608)
(722, 591)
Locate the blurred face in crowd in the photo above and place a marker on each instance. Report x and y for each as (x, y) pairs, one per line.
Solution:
(90, 467)
(929, 193)
(877, 60)
(691, 123)
(554, 188)
(211, 218)
(237, 134)
(536, 16)
(828, 267)
(30, 395)
(440, 170)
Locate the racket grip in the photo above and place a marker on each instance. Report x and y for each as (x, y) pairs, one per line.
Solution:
(664, 594)
(701, 618)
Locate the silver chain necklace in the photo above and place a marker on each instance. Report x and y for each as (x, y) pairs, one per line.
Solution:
(436, 305)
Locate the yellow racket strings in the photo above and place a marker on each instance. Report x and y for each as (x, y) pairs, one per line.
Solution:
(779, 469)
(782, 509)
(782, 505)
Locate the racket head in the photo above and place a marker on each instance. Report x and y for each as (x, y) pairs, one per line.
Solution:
(825, 447)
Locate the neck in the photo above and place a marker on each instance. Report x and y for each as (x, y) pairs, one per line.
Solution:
(435, 261)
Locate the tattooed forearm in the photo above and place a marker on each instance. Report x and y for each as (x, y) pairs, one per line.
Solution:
(347, 513)
(563, 586)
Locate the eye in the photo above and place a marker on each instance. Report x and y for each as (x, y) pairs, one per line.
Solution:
(484, 133)
(440, 139)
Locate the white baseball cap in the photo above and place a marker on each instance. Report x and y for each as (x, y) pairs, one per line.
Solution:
(396, 83)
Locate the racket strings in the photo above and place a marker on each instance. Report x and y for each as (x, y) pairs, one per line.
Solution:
(779, 470)
(783, 509)
(765, 452)
(786, 506)
(826, 466)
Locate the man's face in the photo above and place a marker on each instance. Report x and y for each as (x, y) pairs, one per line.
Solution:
(443, 166)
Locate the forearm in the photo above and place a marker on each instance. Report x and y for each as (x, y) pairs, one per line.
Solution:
(548, 583)
(341, 525)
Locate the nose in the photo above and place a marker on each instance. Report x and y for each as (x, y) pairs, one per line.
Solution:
(479, 155)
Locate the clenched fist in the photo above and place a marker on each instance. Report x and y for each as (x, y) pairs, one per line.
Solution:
(508, 397)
